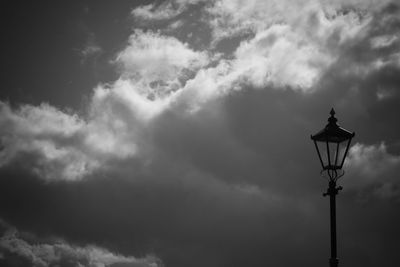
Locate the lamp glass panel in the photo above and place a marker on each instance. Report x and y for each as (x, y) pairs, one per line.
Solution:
(336, 153)
(323, 153)
(332, 153)
(342, 150)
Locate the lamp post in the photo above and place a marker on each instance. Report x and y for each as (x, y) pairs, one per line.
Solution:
(332, 144)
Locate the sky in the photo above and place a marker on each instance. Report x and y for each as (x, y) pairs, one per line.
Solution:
(177, 133)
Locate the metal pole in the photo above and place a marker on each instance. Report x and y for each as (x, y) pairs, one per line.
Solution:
(333, 261)
(332, 192)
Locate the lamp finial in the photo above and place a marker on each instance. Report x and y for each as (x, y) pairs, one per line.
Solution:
(332, 118)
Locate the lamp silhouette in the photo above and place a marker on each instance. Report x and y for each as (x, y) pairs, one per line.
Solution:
(332, 144)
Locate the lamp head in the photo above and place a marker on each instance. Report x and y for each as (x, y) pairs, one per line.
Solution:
(332, 144)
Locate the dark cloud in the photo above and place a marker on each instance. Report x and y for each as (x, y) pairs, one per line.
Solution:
(216, 193)
(193, 215)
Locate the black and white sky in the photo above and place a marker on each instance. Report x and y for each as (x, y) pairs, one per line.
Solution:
(177, 133)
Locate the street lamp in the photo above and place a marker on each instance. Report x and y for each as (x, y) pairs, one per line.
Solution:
(332, 144)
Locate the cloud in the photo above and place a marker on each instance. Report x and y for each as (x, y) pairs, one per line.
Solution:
(281, 57)
(114, 124)
(158, 63)
(161, 211)
(161, 74)
(61, 145)
(66, 146)
(58, 252)
(372, 166)
(47, 132)
(288, 43)
(229, 18)
(383, 41)
(371, 160)
(284, 53)
(91, 48)
(163, 11)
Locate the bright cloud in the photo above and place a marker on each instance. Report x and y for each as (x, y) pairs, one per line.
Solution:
(229, 18)
(47, 132)
(373, 166)
(371, 160)
(41, 254)
(281, 57)
(293, 43)
(158, 65)
(65, 146)
(290, 45)
(152, 56)
(162, 12)
(383, 41)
